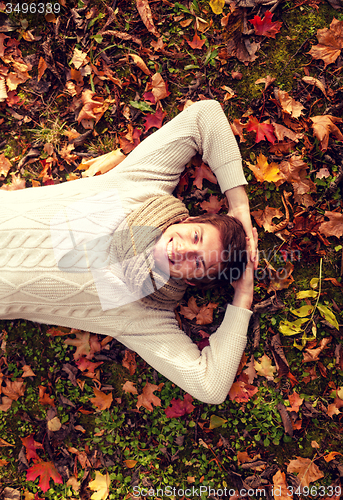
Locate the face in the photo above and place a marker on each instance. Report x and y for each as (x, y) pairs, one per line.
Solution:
(189, 251)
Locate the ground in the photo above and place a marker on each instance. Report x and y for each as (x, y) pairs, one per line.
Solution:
(79, 80)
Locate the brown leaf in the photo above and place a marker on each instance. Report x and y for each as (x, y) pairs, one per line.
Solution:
(268, 80)
(44, 398)
(28, 371)
(5, 165)
(102, 400)
(191, 310)
(201, 173)
(15, 389)
(17, 183)
(140, 63)
(296, 401)
(313, 354)
(205, 315)
(281, 132)
(148, 398)
(81, 342)
(323, 126)
(93, 108)
(144, 10)
(129, 387)
(129, 361)
(213, 205)
(330, 43)
(288, 104)
(294, 170)
(314, 81)
(281, 278)
(41, 68)
(237, 129)
(102, 164)
(280, 487)
(5, 403)
(265, 217)
(332, 227)
(158, 87)
(308, 471)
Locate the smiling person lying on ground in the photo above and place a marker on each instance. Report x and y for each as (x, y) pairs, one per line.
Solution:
(113, 254)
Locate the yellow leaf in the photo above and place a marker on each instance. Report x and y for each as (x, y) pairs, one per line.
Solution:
(304, 294)
(328, 315)
(101, 486)
(265, 171)
(302, 311)
(314, 283)
(265, 367)
(217, 6)
(292, 327)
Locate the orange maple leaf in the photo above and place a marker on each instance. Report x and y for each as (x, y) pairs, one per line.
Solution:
(148, 398)
(323, 126)
(197, 42)
(129, 387)
(102, 400)
(296, 402)
(44, 398)
(14, 389)
(264, 171)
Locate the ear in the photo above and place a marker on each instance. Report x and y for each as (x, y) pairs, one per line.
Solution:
(189, 283)
(188, 218)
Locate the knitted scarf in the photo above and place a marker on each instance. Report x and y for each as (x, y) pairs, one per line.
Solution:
(132, 246)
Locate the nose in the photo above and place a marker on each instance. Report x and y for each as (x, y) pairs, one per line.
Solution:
(186, 251)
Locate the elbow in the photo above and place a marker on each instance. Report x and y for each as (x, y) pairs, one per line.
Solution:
(211, 397)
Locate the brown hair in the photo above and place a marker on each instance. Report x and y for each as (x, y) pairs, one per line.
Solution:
(232, 237)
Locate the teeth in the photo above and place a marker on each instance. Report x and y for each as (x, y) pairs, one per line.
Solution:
(170, 251)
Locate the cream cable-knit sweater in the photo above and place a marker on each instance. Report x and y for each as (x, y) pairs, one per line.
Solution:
(34, 287)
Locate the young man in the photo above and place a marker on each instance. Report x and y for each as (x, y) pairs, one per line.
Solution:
(113, 254)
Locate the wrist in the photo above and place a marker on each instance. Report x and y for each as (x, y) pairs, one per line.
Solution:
(243, 300)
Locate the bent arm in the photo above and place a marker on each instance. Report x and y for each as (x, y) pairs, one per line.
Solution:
(206, 375)
(201, 128)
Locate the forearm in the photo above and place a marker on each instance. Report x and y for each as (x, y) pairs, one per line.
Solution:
(238, 200)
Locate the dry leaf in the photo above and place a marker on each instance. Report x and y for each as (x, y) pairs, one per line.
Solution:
(265, 218)
(158, 87)
(5, 165)
(332, 227)
(140, 63)
(308, 471)
(314, 81)
(147, 398)
(296, 401)
(330, 43)
(288, 104)
(323, 126)
(144, 10)
(102, 401)
(79, 58)
(265, 171)
(100, 485)
(280, 487)
(129, 387)
(129, 361)
(281, 132)
(264, 367)
(41, 68)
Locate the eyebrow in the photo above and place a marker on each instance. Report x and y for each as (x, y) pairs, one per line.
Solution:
(201, 230)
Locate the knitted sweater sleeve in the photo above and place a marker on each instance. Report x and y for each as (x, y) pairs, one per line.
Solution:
(161, 158)
(206, 375)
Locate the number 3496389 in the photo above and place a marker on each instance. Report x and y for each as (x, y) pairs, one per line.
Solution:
(32, 8)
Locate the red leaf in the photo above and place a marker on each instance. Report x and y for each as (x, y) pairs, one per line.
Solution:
(154, 120)
(31, 446)
(265, 26)
(203, 172)
(179, 408)
(196, 43)
(46, 471)
(263, 130)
